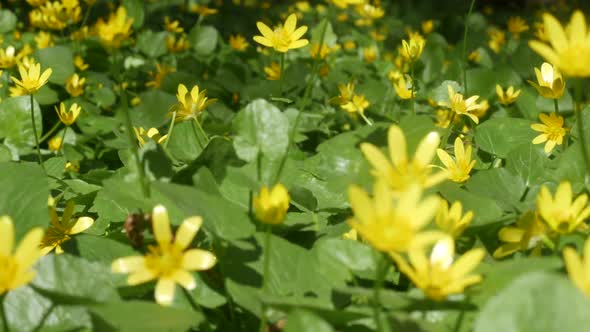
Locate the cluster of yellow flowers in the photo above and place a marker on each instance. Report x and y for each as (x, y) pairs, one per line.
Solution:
(55, 15)
(115, 30)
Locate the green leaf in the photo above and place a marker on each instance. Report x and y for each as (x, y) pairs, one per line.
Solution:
(101, 249)
(486, 210)
(528, 162)
(261, 128)
(59, 59)
(135, 316)
(303, 320)
(497, 184)
(24, 196)
(15, 123)
(536, 302)
(500, 135)
(135, 10)
(7, 21)
(153, 109)
(152, 44)
(203, 39)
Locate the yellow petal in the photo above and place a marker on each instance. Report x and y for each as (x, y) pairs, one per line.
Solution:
(290, 23)
(165, 289)
(506, 249)
(361, 204)
(187, 231)
(198, 260)
(299, 32)
(511, 234)
(161, 225)
(264, 41)
(82, 224)
(265, 30)
(426, 149)
(445, 158)
(184, 279)
(6, 236)
(299, 43)
(555, 32)
(577, 28)
(128, 264)
(397, 145)
(28, 250)
(574, 267)
(141, 276)
(467, 262)
(545, 51)
(376, 158)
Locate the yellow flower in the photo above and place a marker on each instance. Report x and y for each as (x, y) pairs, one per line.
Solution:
(346, 3)
(202, 10)
(16, 268)
(151, 134)
(412, 50)
(172, 26)
(177, 45)
(452, 221)
(368, 13)
(517, 25)
(570, 47)
(474, 56)
(169, 262)
(459, 168)
(346, 94)
(322, 52)
(159, 75)
(8, 57)
(270, 206)
(370, 54)
(273, 71)
(578, 267)
(61, 229)
(462, 106)
(391, 224)
(540, 32)
(357, 104)
(44, 39)
(238, 42)
(116, 30)
(73, 166)
(525, 235)
(191, 105)
(349, 45)
(79, 63)
(561, 214)
(550, 82)
(282, 38)
(135, 101)
(438, 276)
(507, 97)
(403, 88)
(31, 79)
(75, 85)
(54, 143)
(497, 40)
(551, 130)
(68, 117)
(401, 173)
(427, 26)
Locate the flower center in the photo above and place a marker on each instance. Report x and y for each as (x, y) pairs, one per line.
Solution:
(554, 132)
(164, 260)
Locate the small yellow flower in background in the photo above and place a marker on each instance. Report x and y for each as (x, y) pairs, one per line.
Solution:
(357, 105)
(169, 261)
(540, 32)
(427, 26)
(389, 224)
(438, 275)
(563, 214)
(462, 106)
(370, 54)
(317, 52)
(368, 14)
(203, 10)
(551, 130)
(578, 267)
(75, 85)
(474, 56)
(191, 105)
(159, 75)
(282, 38)
(507, 97)
(32, 79)
(412, 50)
(61, 229)
(516, 26)
(238, 42)
(54, 143)
(270, 206)
(526, 234)
(16, 267)
(135, 101)
(570, 46)
(8, 57)
(452, 220)
(177, 45)
(273, 71)
(79, 63)
(550, 82)
(150, 134)
(349, 45)
(497, 40)
(117, 29)
(172, 26)
(460, 167)
(44, 39)
(400, 172)
(346, 3)
(346, 94)
(403, 88)
(73, 166)
(68, 117)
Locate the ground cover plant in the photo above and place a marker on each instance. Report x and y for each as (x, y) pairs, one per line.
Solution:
(337, 165)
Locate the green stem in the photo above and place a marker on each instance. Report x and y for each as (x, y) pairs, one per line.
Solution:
(556, 106)
(202, 131)
(63, 141)
(565, 138)
(197, 135)
(50, 132)
(282, 72)
(3, 314)
(413, 87)
(582, 138)
(35, 133)
(134, 149)
(265, 274)
(379, 279)
(445, 138)
(171, 129)
(464, 60)
(44, 318)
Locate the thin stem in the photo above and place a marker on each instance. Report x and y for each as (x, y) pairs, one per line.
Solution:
(565, 139)
(197, 135)
(449, 130)
(379, 278)
(265, 274)
(578, 111)
(413, 87)
(63, 141)
(464, 60)
(35, 133)
(50, 132)
(135, 150)
(3, 314)
(202, 131)
(44, 318)
(171, 129)
(556, 106)
(282, 72)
